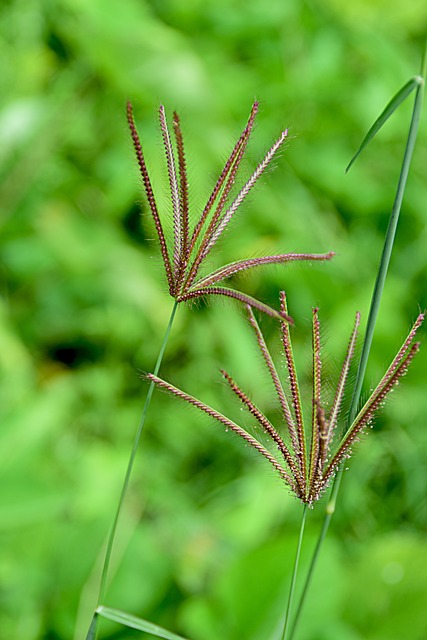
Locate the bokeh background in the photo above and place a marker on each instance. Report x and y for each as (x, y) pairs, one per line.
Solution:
(208, 533)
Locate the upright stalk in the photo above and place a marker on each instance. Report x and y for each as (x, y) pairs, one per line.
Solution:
(373, 313)
(110, 543)
(294, 574)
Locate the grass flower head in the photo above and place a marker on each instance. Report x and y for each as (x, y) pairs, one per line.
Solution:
(307, 459)
(192, 247)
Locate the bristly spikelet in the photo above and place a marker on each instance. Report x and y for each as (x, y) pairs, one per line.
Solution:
(307, 469)
(191, 248)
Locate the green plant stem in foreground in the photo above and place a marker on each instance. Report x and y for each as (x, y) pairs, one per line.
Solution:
(112, 535)
(294, 574)
(373, 313)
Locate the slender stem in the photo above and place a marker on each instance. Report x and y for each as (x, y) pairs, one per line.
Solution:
(327, 519)
(131, 462)
(373, 313)
(93, 629)
(294, 574)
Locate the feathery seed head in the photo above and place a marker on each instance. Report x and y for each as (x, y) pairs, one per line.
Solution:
(191, 247)
(306, 459)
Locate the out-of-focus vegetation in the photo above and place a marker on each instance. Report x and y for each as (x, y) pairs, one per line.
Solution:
(208, 534)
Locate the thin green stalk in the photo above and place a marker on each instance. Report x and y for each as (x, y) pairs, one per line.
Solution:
(93, 629)
(294, 574)
(103, 584)
(373, 313)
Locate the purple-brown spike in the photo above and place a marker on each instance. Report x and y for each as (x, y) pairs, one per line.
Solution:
(202, 252)
(397, 361)
(213, 235)
(316, 481)
(403, 349)
(276, 381)
(336, 405)
(173, 182)
(296, 399)
(241, 265)
(183, 187)
(242, 141)
(228, 424)
(366, 414)
(237, 295)
(150, 197)
(316, 400)
(268, 428)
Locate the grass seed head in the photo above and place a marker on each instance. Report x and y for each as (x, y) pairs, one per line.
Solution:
(185, 259)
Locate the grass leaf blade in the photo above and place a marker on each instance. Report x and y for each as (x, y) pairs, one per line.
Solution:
(128, 620)
(93, 629)
(394, 103)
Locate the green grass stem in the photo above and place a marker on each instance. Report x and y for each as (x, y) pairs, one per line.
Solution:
(294, 574)
(110, 543)
(93, 629)
(373, 312)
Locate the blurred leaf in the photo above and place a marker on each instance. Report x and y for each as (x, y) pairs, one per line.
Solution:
(137, 623)
(386, 586)
(394, 103)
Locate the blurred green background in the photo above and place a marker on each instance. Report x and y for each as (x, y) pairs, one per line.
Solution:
(208, 533)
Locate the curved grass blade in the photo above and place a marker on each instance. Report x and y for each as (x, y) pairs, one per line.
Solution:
(128, 620)
(394, 103)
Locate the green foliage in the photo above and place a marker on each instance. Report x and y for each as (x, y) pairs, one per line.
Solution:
(207, 534)
(136, 623)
